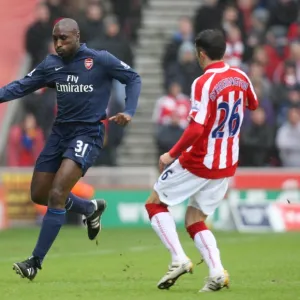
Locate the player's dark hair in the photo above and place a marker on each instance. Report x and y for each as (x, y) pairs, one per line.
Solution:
(212, 42)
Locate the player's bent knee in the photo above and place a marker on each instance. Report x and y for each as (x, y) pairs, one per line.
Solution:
(56, 198)
(153, 198)
(194, 215)
(38, 198)
(154, 206)
(190, 221)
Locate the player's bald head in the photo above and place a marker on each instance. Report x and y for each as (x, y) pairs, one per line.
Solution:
(66, 37)
(69, 25)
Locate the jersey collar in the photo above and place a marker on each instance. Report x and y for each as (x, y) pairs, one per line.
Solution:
(82, 47)
(216, 67)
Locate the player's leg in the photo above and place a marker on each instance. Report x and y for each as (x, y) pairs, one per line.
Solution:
(201, 205)
(164, 225)
(206, 243)
(66, 177)
(204, 240)
(41, 185)
(46, 167)
(171, 188)
(84, 150)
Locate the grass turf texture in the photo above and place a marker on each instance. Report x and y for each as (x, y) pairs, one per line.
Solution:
(128, 263)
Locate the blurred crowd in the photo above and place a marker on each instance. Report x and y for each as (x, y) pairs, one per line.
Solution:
(104, 24)
(263, 39)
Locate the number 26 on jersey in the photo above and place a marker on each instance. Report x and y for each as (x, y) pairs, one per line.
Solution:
(230, 122)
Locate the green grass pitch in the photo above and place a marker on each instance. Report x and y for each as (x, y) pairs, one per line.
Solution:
(127, 264)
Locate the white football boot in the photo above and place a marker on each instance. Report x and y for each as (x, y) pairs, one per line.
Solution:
(216, 283)
(176, 269)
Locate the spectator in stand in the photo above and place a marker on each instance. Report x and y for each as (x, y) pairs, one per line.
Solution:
(25, 142)
(246, 9)
(129, 14)
(121, 8)
(208, 16)
(295, 57)
(42, 104)
(56, 10)
(170, 117)
(257, 141)
(275, 49)
(260, 56)
(288, 138)
(283, 12)
(292, 99)
(184, 34)
(185, 70)
(234, 46)
(285, 80)
(294, 31)
(113, 41)
(268, 58)
(256, 34)
(233, 17)
(91, 26)
(264, 102)
(286, 74)
(256, 73)
(37, 35)
(134, 20)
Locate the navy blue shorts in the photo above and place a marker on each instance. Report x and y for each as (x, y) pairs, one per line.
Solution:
(79, 142)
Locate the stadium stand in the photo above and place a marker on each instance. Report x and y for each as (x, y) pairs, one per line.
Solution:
(262, 42)
(13, 60)
(263, 39)
(159, 23)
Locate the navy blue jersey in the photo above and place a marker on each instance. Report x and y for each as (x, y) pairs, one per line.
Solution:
(83, 84)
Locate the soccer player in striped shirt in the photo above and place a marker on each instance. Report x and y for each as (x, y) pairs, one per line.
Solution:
(202, 162)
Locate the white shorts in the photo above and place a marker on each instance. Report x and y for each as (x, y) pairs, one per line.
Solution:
(176, 185)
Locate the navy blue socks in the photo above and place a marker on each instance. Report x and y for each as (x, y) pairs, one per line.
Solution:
(79, 205)
(52, 222)
(55, 218)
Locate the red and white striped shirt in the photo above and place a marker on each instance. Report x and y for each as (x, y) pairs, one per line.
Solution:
(168, 107)
(219, 98)
(234, 53)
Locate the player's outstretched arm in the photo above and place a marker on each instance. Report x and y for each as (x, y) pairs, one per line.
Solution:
(20, 88)
(126, 75)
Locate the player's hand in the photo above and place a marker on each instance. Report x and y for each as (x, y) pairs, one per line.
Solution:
(121, 119)
(164, 161)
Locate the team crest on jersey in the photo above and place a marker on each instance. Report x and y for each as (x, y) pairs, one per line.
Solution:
(88, 63)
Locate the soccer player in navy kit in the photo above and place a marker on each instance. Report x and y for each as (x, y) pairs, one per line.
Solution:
(82, 78)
